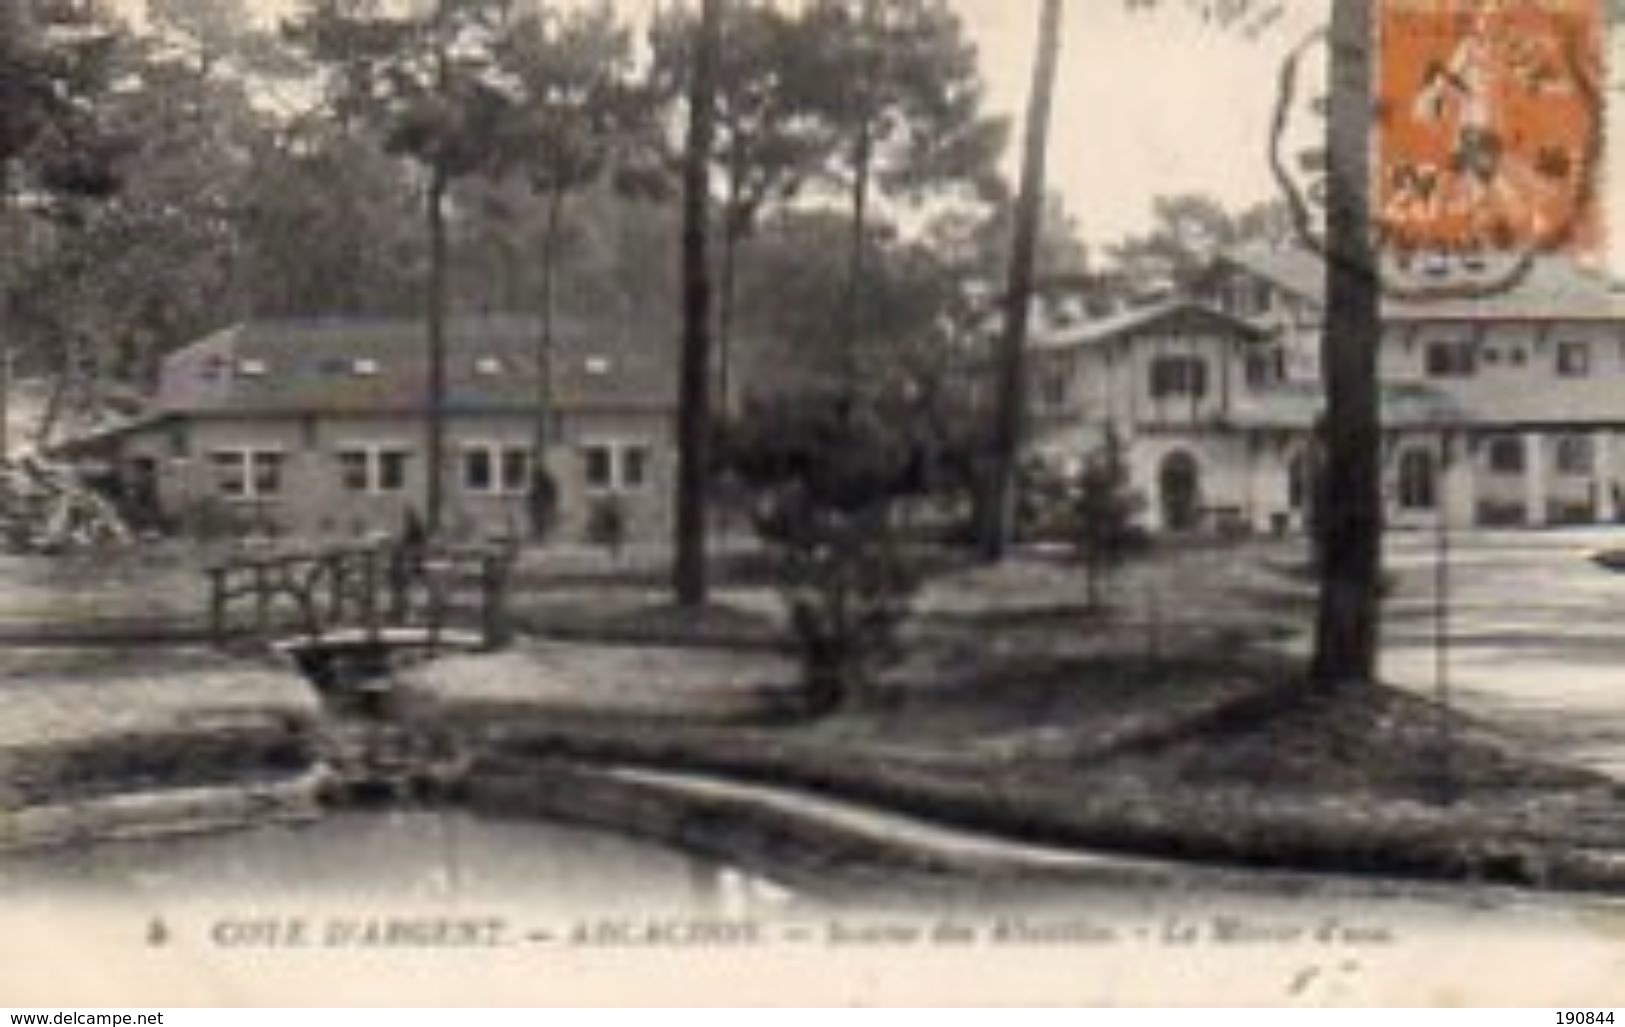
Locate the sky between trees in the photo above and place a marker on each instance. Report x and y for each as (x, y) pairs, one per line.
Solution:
(1153, 104)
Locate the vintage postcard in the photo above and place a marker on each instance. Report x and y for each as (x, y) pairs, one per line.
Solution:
(812, 502)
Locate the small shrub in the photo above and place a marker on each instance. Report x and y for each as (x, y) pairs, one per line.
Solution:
(825, 471)
(1095, 510)
(849, 585)
(1043, 503)
(1104, 508)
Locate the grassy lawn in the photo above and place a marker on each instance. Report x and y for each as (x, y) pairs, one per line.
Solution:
(1350, 783)
(1164, 723)
(1179, 598)
(994, 656)
(162, 582)
(1155, 726)
(84, 723)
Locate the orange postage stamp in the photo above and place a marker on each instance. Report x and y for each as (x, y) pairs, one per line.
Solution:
(1489, 127)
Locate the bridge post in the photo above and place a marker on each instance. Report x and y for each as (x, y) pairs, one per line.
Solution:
(493, 601)
(436, 572)
(400, 585)
(369, 592)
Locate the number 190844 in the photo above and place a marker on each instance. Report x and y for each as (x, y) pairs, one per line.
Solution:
(1565, 1017)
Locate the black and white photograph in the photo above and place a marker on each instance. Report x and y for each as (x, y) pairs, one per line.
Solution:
(812, 502)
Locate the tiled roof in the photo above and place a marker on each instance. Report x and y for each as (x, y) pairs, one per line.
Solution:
(1555, 288)
(340, 365)
(1173, 314)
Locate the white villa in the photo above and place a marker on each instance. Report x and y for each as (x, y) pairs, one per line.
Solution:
(1503, 410)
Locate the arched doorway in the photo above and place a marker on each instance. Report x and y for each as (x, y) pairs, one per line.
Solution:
(1180, 485)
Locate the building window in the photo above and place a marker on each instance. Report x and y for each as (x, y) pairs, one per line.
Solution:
(599, 467)
(1178, 376)
(1248, 297)
(1573, 455)
(1506, 455)
(1573, 359)
(477, 476)
(373, 469)
(266, 473)
(497, 470)
(1263, 297)
(391, 470)
(1450, 359)
(621, 467)
(1418, 480)
(247, 473)
(634, 466)
(1265, 369)
(515, 470)
(353, 470)
(230, 473)
(1257, 370)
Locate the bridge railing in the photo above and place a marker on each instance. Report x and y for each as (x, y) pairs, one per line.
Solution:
(371, 590)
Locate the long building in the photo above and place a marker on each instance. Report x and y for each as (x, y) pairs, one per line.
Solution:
(1507, 409)
(316, 428)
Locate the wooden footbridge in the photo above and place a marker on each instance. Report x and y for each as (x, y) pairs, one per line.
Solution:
(363, 596)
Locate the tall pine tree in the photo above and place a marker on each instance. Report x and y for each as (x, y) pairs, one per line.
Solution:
(998, 509)
(694, 411)
(429, 83)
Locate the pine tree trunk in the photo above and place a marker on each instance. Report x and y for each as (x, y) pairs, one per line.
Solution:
(855, 258)
(1351, 506)
(726, 302)
(1009, 415)
(542, 492)
(5, 319)
(732, 234)
(862, 161)
(693, 414)
(435, 440)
